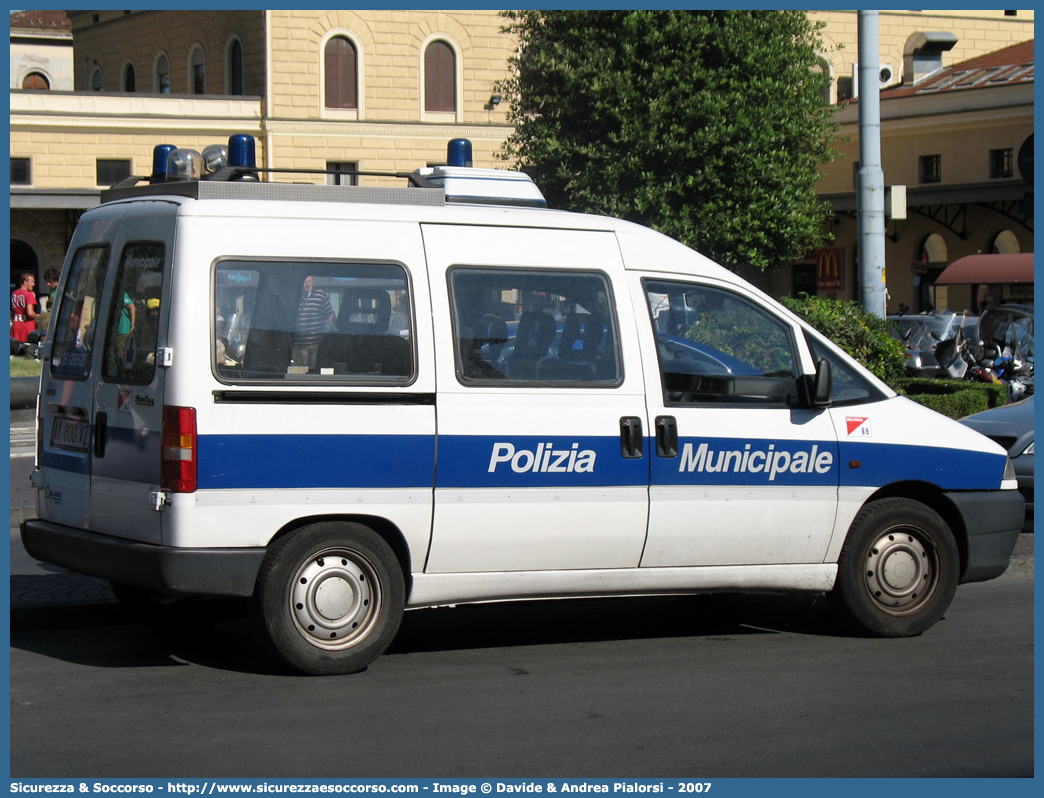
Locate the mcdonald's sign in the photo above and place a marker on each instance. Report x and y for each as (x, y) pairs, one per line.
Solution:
(830, 275)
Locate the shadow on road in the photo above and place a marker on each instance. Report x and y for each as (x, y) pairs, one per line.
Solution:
(102, 635)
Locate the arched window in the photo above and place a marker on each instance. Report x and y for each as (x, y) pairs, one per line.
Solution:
(235, 68)
(97, 80)
(36, 82)
(340, 61)
(822, 71)
(1005, 243)
(162, 79)
(440, 78)
(933, 249)
(197, 72)
(129, 78)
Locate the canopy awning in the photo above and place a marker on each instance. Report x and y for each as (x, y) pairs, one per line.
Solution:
(1010, 268)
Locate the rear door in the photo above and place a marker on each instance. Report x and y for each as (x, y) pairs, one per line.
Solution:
(541, 463)
(101, 401)
(67, 386)
(128, 401)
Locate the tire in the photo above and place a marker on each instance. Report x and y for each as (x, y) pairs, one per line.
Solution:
(898, 569)
(330, 597)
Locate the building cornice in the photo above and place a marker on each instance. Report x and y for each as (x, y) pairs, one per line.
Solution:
(923, 110)
(414, 130)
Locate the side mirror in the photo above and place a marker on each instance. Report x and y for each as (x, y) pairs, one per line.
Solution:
(823, 388)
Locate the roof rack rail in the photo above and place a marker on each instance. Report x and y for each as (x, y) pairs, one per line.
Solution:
(182, 171)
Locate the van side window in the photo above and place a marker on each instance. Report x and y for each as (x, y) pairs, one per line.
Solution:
(849, 387)
(313, 322)
(130, 334)
(718, 347)
(533, 326)
(77, 311)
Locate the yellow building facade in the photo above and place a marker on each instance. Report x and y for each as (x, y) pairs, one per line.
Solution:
(369, 90)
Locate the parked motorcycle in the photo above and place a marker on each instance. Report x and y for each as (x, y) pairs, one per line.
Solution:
(1001, 353)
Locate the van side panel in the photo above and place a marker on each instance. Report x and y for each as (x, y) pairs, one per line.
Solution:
(279, 450)
(532, 474)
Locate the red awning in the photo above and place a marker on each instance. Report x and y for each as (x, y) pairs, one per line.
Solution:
(1017, 268)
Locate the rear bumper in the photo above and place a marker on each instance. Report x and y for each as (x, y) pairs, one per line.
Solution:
(180, 572)
(993, 520)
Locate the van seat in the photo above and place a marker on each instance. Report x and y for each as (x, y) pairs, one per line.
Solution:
(581, 335)
(364, 310)
(555, 369)
(386, 355)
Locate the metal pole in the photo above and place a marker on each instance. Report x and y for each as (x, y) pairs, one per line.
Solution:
(871, 175)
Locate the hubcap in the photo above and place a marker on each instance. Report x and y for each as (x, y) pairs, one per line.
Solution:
(900, 571)
(334, 598)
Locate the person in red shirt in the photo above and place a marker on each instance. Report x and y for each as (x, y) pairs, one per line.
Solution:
(23, 309)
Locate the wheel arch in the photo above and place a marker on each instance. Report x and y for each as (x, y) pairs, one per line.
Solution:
(931, 496)
(388, 530)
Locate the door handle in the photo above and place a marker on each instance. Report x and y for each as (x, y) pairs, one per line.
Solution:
(666, 436)
(100, 423)
(632, 442)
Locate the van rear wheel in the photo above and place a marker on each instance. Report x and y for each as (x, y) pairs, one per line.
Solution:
(330, 597)
(898, 570)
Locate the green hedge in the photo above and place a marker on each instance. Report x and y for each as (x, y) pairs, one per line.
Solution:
(863, 335)
(868, 339)
(953, 398)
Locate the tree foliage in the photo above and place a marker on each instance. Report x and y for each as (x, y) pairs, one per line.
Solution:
(709, 126)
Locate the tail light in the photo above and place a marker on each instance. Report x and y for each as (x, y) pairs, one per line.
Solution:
(179, 449)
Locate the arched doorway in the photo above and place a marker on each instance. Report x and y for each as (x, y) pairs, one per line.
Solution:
(23, 259)
(932, 257)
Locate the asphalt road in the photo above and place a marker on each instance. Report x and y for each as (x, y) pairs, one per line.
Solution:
(756, 687)
(705, 687)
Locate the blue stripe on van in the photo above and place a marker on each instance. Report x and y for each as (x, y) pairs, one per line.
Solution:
(466, 461)
(316, 461)
(537, 461)
(74, 464)
(875, 464)
(748, 461)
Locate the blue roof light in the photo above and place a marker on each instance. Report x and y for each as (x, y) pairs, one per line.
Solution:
(159, 162)
(241, 151)
(458, 153)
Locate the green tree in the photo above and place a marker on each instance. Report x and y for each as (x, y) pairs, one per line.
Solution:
(709, 126)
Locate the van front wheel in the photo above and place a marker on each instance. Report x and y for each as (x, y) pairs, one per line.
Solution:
(330, 597)
(898, 570)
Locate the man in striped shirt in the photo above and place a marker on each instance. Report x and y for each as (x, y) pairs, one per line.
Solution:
(314, 315)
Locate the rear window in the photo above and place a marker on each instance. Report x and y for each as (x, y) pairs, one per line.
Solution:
(313, 323)
(78, 306)
(133, 319)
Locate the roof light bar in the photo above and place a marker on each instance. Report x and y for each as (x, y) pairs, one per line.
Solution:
(458, 153)
(159, 162)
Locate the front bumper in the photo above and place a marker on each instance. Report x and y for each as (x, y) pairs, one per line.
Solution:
(177, 572)
(993, 520)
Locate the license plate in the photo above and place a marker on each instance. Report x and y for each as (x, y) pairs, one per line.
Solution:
(70, 434)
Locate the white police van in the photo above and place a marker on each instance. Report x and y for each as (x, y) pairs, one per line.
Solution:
(344, 402)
